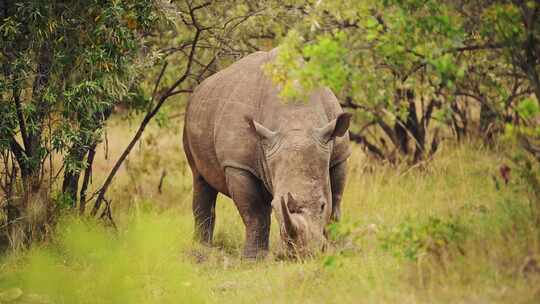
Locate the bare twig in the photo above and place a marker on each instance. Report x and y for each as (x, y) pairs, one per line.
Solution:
(108, 214)
(153, 111)
(374, 150)
(86, 178)
(20, 117)
(161, 179)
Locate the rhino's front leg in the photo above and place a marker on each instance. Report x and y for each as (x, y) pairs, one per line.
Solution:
(338, 175)
(247, 193)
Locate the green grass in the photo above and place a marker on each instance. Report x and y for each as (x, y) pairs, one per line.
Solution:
(470, 240)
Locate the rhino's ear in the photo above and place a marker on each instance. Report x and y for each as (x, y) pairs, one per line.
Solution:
(262, 131)
(336, 128)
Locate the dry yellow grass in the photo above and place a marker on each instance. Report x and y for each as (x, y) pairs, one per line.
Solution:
(486, 264)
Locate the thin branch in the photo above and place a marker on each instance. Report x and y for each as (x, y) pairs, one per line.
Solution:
(19, 154)
(470, 95)
(148, 117)
(405, 127)
(108, 214)
(349, 103)
(201, 6)
(477, 47)
(158, 81)
(356, 137)
(86, 178)
(20, 117)
(179, 92)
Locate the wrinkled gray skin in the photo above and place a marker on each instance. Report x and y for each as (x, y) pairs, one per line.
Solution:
(241, 140)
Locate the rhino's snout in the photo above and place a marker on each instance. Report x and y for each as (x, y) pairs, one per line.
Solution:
(301, 234)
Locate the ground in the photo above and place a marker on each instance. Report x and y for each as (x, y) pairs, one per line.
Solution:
(448, 230)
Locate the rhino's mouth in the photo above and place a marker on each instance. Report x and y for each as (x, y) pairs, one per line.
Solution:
(300, 240)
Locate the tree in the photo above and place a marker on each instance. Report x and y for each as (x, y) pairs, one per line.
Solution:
(402, 64)
(207, 35)
(64, 67)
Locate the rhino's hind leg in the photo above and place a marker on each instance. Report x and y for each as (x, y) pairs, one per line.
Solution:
(338, 175)
(248, 196)
(204, 205)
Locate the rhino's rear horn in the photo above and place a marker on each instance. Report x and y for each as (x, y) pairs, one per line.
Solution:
(288, 221)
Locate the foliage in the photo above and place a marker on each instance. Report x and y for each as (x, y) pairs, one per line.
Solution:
(527, 161)
(65, 66)
(401, 64)
(528, 169)
(68, 67)
(412, 71)
(209, 27)
(499, 239)
(88, 264)
(516, 26)
(412, 239)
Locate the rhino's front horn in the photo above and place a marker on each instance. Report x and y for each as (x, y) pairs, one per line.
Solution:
(290, 226)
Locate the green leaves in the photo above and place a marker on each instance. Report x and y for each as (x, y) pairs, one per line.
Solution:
(412, 239)
(326, 62)
(299, 70)
(370, 52)
(64, 69)
(9, 28)
(528, 108)
(379, 46)
(286, 70)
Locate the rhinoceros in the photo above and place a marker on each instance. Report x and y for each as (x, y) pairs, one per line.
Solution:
(243, 141)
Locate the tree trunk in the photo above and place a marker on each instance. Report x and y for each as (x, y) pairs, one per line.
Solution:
(372, 149)
(70, 185)
(414, 126)
(411, 127)
(529, 16)
(86, 178)
(488, 118)
(457, 118)
(24, 225)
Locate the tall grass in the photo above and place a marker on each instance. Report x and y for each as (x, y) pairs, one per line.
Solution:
(86, 263)
(449, 231)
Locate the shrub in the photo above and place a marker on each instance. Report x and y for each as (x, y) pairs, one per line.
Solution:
(412, 239)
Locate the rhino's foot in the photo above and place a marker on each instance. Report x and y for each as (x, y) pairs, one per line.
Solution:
(336, 215)
(204, 238)
(204, 203)
(257, 240)
(254, 254)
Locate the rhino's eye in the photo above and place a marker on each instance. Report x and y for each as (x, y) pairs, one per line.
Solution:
(322, 207)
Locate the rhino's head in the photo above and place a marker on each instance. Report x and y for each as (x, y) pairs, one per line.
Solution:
(297, 165)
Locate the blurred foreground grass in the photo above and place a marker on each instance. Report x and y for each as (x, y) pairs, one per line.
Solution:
(449, 231)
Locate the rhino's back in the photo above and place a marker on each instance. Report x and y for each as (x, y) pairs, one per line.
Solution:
(217, 127)
(217, 119)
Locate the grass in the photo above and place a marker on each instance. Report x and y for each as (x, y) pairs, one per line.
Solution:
(438, 233)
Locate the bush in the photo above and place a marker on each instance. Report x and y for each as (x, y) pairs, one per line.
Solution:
(89, 264)
(412, 239)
